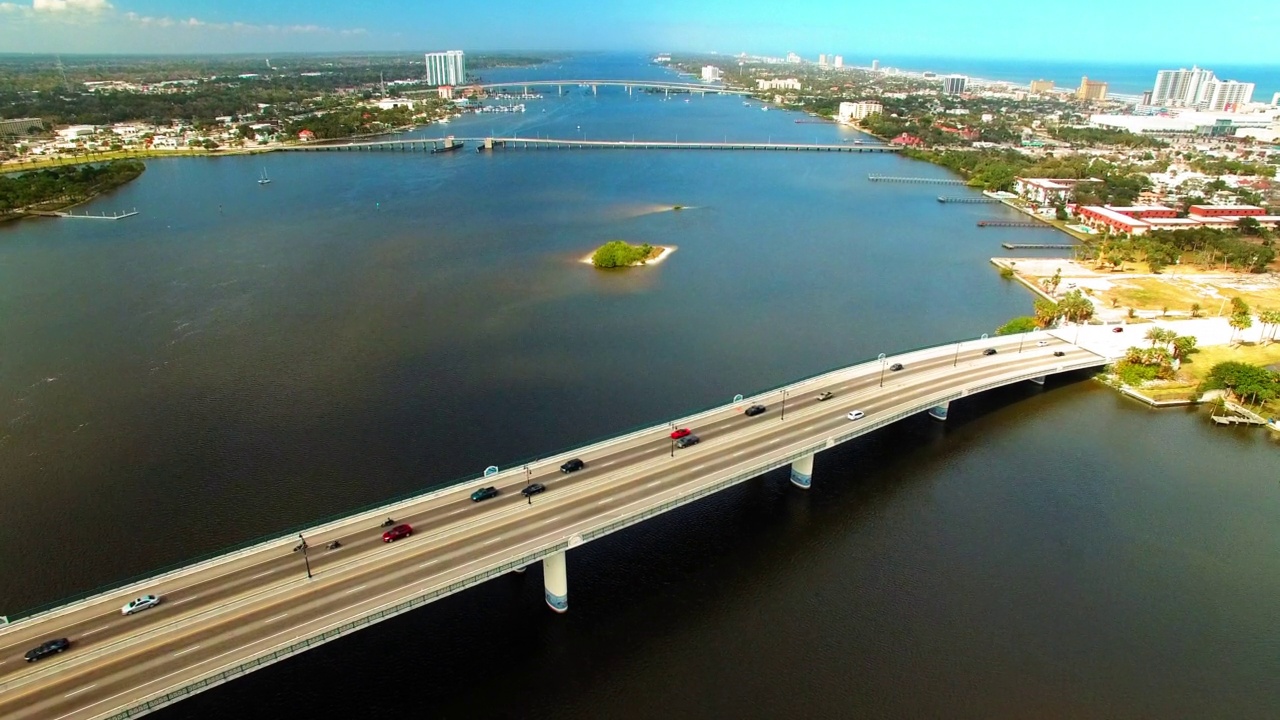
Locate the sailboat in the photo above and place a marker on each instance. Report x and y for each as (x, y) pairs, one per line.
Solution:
(264, 179)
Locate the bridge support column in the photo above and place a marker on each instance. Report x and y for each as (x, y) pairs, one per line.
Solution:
(555, 582)
(1039, 379)
(802, 472)
(488, 143)
(939, 412)
(595, 90)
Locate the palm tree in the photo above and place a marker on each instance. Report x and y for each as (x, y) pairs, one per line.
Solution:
(1182, 346)
(1195, 310)
(1239, 322)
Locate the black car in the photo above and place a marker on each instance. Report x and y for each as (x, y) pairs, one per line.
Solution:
(572, 466)
(484, 494)
(533, 489)
(49, 648)
(687, 440)
(896, 367)
(989, 351)
(1058, 353)
(755, 410)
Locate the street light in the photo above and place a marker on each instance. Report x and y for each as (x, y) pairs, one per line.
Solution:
(784, 403)
(881, 359)
(305, 559)
(1024, 339)
(956, 359)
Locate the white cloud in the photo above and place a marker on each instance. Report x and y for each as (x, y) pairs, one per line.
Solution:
(59, 6)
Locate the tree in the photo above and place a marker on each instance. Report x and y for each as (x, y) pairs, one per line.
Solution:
(1249, 226)
(1243, 380)
(1046, 313)
(1055, 281)
(1183, 346)
(1158, 335)
(1239, 322)
(1023, 324)
(1061, 213)
(1075, 307)
(1195, 310)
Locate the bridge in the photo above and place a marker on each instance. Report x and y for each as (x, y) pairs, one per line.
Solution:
(437, 145)
(229, 615)
(629, 85)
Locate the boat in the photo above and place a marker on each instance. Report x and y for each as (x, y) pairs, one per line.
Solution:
(746, 104)
(264, 179)
(765, 108)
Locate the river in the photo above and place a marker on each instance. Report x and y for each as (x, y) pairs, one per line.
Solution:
(239, 358)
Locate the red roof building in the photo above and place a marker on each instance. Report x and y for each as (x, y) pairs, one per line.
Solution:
(1223, 210)
(306, 136)
(907, 140)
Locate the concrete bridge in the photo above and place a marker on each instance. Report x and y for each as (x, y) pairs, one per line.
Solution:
(438, 145)
(628, 85)
(229, 615)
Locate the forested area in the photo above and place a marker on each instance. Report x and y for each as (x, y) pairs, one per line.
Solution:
(64, 185)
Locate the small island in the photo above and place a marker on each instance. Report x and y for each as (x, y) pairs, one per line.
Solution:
(43, 191)
(620, 254)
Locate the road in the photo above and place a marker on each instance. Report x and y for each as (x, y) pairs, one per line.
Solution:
(229, 611)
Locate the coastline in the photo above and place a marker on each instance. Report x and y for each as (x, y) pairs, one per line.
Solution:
(51, 208)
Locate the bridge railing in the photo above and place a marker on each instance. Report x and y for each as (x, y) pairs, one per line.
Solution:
(382, 506)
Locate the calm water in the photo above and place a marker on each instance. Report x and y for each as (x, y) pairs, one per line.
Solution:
(237, 359)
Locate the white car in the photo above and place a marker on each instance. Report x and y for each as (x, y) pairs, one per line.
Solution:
(143, 603)
(855, 415)
(1042, 343)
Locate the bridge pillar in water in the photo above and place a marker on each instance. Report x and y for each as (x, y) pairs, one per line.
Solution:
(802, 472)
(1039, 379)
(488, 143)
(939, 412)
(555, 582)
(595, 90)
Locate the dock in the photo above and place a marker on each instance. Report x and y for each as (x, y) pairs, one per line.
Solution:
(85, 216)
(934, 181)
(1014, 224)
(985, 200)
(1037, 246)
(1235, 420)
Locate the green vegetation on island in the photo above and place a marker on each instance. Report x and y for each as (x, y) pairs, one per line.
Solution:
(64, 186)
(619, 253)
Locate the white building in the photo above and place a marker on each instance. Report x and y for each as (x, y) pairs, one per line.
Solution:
(859, 110)
(76, 131)
(1186, 123)
(793, 58)
(787, 84)
(839, 61)
(1229, 95)
(446, 68)
(1182, 87)
(711, 73)
(875, 66)
(392, 103)
(954, 84)
(822, 60)
(1275, 100)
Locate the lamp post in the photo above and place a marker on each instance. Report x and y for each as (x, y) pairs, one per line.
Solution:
(881, 359)
(306, 560)
(784, 403)
(1020, 342)
(956, 359)
(673, 447)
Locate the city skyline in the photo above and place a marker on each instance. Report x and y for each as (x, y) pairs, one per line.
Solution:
(809, 27)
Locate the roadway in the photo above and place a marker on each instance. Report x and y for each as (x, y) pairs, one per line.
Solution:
(229, 611)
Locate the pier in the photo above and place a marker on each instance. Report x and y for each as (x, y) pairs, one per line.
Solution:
(947, 199)
(1036, 246)
(934, 181)
(1014, 224)
(85, 216)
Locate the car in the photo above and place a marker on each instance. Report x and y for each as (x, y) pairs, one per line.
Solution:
(825, 396)
(688, 440)
(396, 533)
(484, 494)
(572, 466)
(44, 650)
(1117, 329)
(1042, 343)
(1058, 353)
(755, 410)
(534, 489)
(896, 367)
(989, 351)
(145, 602)
(856, 415)
(680, 433)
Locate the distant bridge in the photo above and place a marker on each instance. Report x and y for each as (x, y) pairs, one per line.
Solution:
(629, 85)
(490, 143)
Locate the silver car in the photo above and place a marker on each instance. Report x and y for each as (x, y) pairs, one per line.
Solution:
(143, 603)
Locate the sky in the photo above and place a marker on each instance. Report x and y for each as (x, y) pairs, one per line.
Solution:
(1131, 31)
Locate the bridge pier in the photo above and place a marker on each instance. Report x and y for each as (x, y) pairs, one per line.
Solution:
(802, 472)
(555, 582)
(939, 412)
(1039, 380)
(488, 143)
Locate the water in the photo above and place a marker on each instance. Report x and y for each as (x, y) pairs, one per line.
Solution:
(237, 359)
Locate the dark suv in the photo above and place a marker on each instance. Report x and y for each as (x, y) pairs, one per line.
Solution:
(755, 410)
(484, 494)
(572, 466)
(687, 440)
(49, 648)
(533, 489)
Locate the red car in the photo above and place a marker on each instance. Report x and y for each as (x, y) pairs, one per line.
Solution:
(397, 532)
(1119, 329)
(680, 433)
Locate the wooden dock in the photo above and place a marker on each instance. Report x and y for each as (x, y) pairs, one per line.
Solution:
(1015, 224)
(933, 181)
(984, 199)
(85, 216)
(1235, 420)
(1037, 246)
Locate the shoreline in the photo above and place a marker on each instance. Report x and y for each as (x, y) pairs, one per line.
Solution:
(666, 252)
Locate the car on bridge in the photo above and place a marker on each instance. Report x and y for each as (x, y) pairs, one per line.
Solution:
(680, 433)
(1042, 343)
(688, 440)
(484, 494)
(856, 415)
(825, 396)
(146, 602)
(533, 489)
(573, 465)
(1118, 329)
(1058, 353)
(44, 650)
(896, 367)
(396, 533)
(755, 410)
(989, 351)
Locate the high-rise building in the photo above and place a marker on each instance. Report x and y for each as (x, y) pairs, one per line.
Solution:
(822, 60)
(859, 110)
(1275, 100)
(446, 68)
(711, 73)
(1182, 88)
(1146, 98)
(793, 58)
(1041, 86)
(839, 62)
(1091, 89)
(954, 84)
(875, 65)
(1226, 95)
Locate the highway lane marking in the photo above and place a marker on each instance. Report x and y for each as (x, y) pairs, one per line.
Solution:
(77, 692)
(490, 542)
(90, 632)
(179, 602)
(255, 577)
(357, 589)
(429, 562)
(655, 482)
(271, 620)
(605, 501)
(184, 652)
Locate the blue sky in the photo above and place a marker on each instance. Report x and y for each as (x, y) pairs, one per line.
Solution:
(1132, 31)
